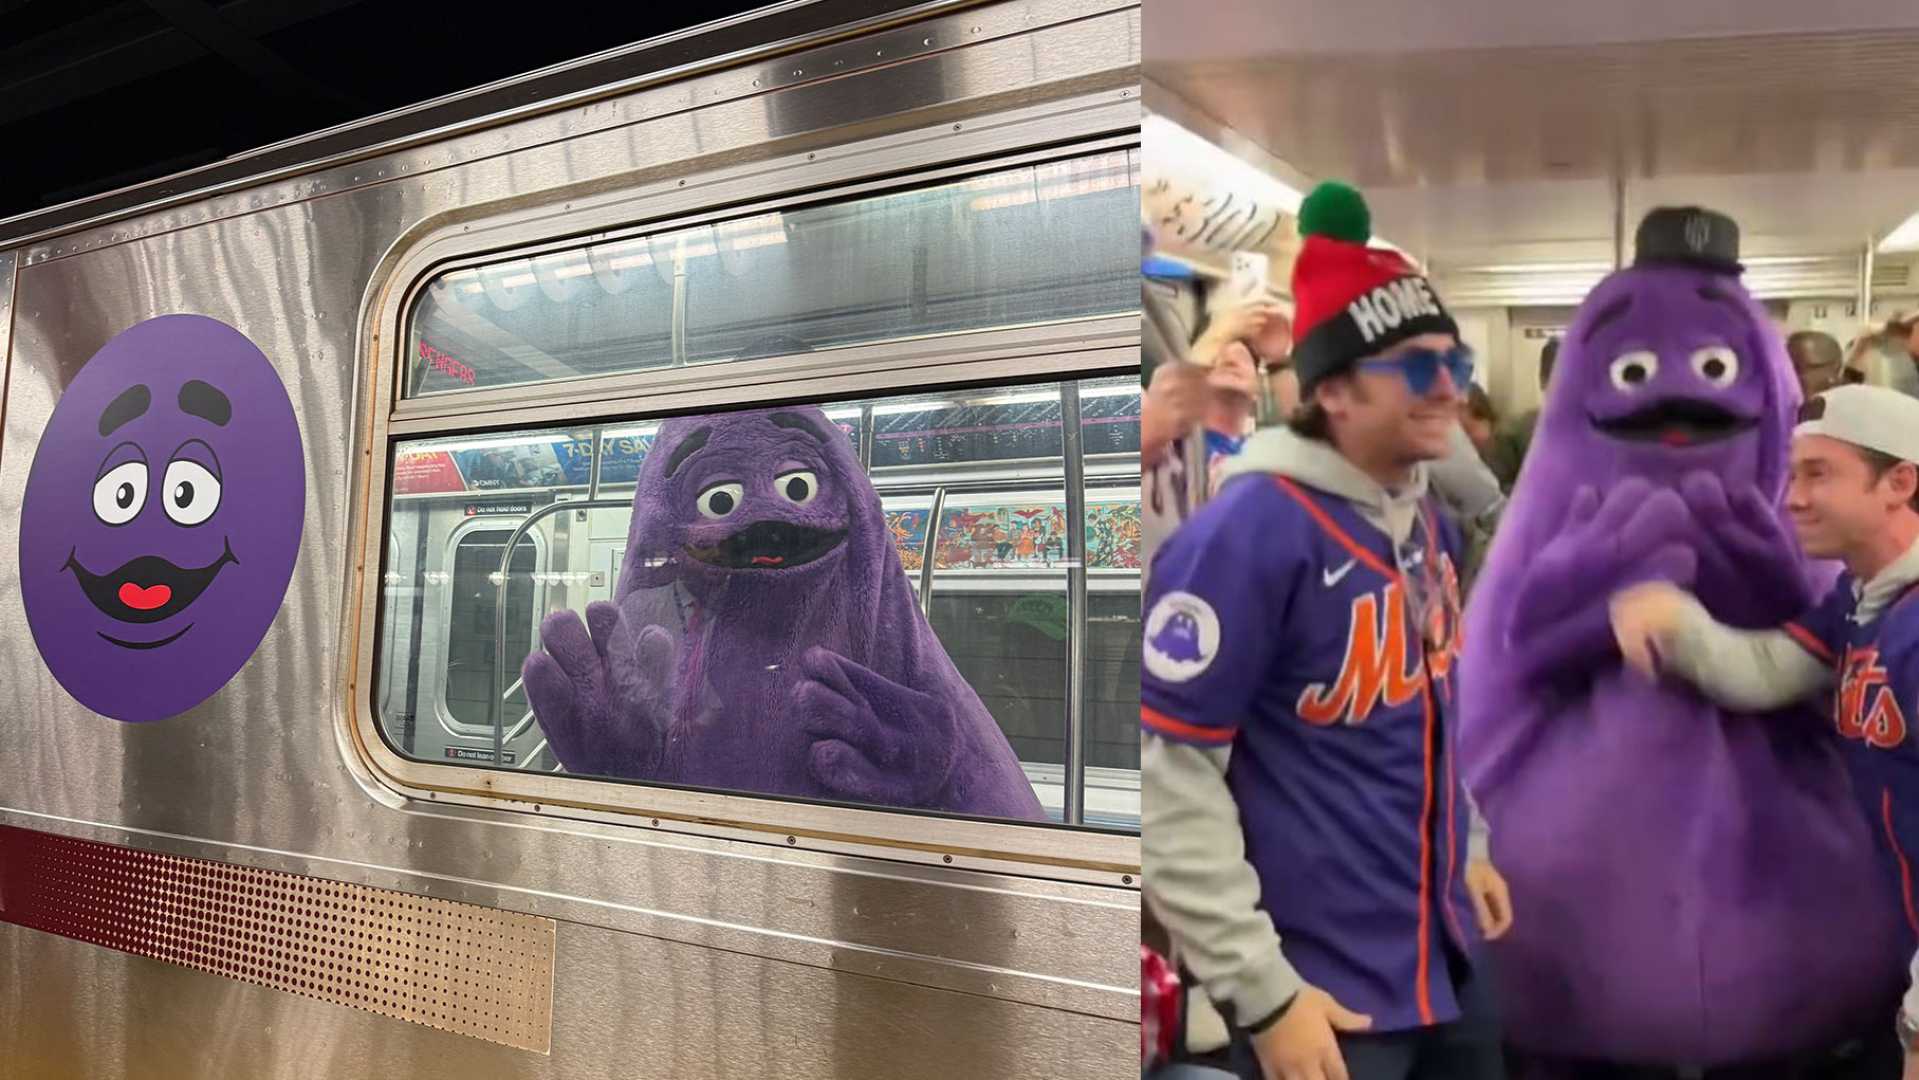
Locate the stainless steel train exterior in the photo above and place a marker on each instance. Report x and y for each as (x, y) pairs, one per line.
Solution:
(286, 889)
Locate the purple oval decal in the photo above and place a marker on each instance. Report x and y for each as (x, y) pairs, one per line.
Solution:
(162, 518)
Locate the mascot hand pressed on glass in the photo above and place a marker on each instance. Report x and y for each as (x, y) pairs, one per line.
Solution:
(764, 638)
(1691, 884)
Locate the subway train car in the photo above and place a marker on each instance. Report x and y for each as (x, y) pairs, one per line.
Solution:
(313, 460)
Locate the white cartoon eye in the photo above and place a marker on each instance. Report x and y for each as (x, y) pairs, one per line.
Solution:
(1717, 365)
(1632, 370)
(192, 492)
(798, 487)
(720, 499)
(119, 496)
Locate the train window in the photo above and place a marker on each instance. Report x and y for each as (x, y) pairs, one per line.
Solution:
(1007, 248)
(743, 601)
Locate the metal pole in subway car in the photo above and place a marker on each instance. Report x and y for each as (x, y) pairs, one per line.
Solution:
(501, 689)
(1073, 810)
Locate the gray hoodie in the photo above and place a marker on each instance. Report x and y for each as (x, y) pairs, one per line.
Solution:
(1196, 874)
(1757, 670)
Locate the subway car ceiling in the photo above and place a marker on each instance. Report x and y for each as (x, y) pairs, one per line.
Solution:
(1519, 185)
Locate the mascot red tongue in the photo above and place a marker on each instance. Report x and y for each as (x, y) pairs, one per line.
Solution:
(1691, 885)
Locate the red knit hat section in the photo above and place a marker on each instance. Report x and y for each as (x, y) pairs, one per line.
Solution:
(1331, 273)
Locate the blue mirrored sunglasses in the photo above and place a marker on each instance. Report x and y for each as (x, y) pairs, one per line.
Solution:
(1421, 367)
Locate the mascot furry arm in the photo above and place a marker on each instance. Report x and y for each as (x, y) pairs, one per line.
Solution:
(1674, 865)
(764, 638)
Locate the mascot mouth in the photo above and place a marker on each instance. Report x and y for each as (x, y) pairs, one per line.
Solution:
(769, 545)
(1676, 422)
(147, 589)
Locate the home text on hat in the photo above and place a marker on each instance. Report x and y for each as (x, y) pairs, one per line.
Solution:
(1352, 300)
(1388, 305)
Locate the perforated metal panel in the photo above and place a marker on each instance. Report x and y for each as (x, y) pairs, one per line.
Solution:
(459, 967)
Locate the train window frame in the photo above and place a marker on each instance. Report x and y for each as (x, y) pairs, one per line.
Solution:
(554, 400)
(511, 278)
(1066, 352)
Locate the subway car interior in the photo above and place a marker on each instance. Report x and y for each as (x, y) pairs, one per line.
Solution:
(1511, 150)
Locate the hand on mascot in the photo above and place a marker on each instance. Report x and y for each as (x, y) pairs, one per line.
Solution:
(1748, 556)
(1492, 902)
(873, 740)
(1304, 1044)
(1637, 533)
(1644, 618)
(1911, 1070)
(601, 692)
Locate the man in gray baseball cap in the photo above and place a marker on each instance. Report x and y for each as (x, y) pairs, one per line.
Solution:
(1854, 497)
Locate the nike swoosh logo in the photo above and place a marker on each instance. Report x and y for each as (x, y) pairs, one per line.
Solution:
(1334, 577)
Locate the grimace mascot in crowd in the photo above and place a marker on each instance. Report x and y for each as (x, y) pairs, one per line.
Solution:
(1691, 886)
(763, 637)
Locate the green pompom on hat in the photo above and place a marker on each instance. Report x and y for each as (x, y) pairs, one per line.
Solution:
(1338, 211)
(1352, 301)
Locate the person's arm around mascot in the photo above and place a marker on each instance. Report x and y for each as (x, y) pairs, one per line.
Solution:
(1664, 630)
(1636, 533)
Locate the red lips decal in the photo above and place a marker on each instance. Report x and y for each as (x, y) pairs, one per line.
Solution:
(146, 599)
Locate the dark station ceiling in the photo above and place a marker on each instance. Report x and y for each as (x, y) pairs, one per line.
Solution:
(96, 96)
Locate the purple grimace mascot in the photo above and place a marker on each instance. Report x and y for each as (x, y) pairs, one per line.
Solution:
(763, 637)
(1691, 886)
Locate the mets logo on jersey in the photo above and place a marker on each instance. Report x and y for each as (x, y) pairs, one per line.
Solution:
(1865, 707)
(1181, 637)
(1384, 662)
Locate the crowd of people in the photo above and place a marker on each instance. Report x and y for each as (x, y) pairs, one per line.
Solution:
(1322, 480)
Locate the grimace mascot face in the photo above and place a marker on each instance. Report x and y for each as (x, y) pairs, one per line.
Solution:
(1669, 370)
(756, 500)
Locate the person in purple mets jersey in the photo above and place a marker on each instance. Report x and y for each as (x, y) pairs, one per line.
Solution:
(1700, 893)
(161, 518)
(1306, 838)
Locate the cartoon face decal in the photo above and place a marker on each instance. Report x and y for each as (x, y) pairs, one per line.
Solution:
(161, 518)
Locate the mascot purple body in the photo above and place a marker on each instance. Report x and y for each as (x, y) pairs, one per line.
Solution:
(1690, 885)
(763, 637)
